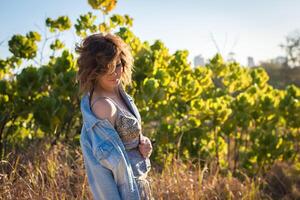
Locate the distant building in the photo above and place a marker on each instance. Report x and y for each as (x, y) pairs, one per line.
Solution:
(199, 60)
(231, 57)
(250, 61)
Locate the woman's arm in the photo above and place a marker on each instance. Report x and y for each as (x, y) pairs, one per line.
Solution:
(101, 180)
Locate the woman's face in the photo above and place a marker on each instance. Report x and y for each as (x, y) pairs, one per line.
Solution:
(109, 81)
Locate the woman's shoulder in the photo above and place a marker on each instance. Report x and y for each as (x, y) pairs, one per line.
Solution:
(103, 108)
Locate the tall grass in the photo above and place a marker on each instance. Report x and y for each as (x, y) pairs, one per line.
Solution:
(58, 172)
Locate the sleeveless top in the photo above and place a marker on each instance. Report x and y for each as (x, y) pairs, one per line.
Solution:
(129, 130)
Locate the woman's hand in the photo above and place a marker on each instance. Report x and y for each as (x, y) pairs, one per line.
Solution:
(145, 146)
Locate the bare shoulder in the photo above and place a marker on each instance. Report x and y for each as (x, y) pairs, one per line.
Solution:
(105, 109)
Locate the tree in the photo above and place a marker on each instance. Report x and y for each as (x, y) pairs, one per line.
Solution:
(292, 48)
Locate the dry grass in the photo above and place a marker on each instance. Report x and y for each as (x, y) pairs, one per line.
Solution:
(58, 173)
(187, 181)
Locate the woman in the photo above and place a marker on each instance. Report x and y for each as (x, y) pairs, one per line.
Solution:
(116, 154)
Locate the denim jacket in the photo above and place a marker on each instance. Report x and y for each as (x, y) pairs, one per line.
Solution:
(107, 164)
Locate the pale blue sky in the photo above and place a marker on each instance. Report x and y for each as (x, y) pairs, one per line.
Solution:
(249, 28)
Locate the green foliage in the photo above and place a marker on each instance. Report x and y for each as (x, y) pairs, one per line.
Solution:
(84, 23)
(24, 46)
(57, 44)
(104, 5)
(119, 20)
(62, 23)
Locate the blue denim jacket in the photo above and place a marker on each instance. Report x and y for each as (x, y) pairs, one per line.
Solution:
(110, 174)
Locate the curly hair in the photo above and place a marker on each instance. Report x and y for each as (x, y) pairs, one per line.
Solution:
(98, 54)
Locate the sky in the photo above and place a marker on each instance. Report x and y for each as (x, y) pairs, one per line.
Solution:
(253, 28)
